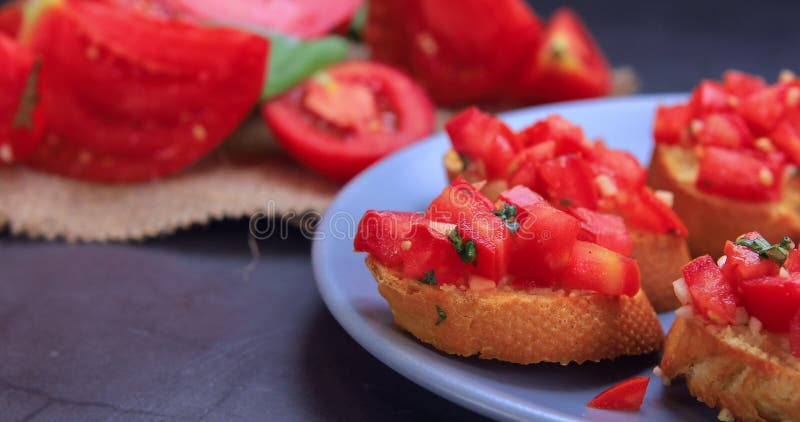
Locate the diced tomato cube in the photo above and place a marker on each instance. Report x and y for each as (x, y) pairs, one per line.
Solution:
(773, 300)
(524, 167)
(568, 137)
(456, 201)
(671, 123)
(593, 267)
(712, 294)
(741, 84)
(627, 395)
(743, 263)
(621, 166)
(381, 232)
(644, 211)
(786, 136)
(483, 138)
(523, 198)
(607, 230)
(738, 174)
(792, 263)
(724, 130)
(569, 181)
(709, 97)
(763, 109)
(794, 335)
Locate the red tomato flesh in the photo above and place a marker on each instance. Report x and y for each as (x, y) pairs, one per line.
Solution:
(593, 267)
(741, 84)
(724, 130)
(19, 134)
(712, 295)
(340, 122)
(11, 18)
(671, 123)
(569, 181)
(606, 230)
(627, 395)
(773, 300)
(743, 263)
(737, 174)
(709, 97)
(484, 139)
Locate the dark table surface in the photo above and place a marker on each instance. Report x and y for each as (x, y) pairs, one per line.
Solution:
(195, 326)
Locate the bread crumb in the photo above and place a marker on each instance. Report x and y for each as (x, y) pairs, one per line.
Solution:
(725, 415)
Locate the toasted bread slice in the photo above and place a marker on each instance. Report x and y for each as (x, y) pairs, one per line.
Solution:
(712, 219)
(660, 256)
(521, 326)
(749, 374)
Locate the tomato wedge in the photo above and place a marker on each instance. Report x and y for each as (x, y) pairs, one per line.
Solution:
(627, 395)
(301, 18)
(568, 64)
(129, 109)
(21, 115)
(341, 121)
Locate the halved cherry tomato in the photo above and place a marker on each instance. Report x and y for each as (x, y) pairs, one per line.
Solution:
(129, 109)
(741, 84)
(569, 181)
(724, 130)
(709, 97)
(21, 115)
(607, 230)
(671, 123)
(627, 395)
(484, 140)
(301, 18)
(439, 43)
(713, 296)
(593, 267)
(794, 335)
(773, 300)
(568, 64)
(743, 263)
(11, 18)
(792, 263)
(739, 174)
(343, 120)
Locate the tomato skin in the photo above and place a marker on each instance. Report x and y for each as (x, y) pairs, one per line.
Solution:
(743, 263)
(568, 65)
(607, 230)
(593, 267)
(458, 201)
(670, 123)
(569, 180)
(786, 136)
(737, 174)
(711, 292)
(340, 153)
(109, 129)
(794, 335)
(381, 232)
(11, 18)
(626, 395)
(485, 139)
(524, 167)
(764, 109)
(709, 97)
(17, 142)
(773, 300)
(724, 130)
(567, 136)
(741, 84)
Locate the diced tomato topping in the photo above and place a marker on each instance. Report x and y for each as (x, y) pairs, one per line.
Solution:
(786, 136)
(723, 130)
(483, 138)
(712, 295)
(792, 263)
(568, 137)
(737, 174)
(743, 263)
(773, 300)
(522, 197)
(569, 181)
(709, 97)
(457, 201)
(741, 84)
(794, 335)
(606, 230)
(671, 123)
(646, 212)
(593, 267)
(524, 167)
(621, 166)
(627, 395)
(381, 232)
(763, 109)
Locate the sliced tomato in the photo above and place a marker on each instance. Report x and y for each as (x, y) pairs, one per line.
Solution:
(343, 120)
(794, 335)
(773, 300)
(21, 115)
(606, 230)
(568, 64)
(593, 267)
(11, 18)
(484, 140)
(301, 18)
(439, 43)
(741, 84)
(739, 174)
(743, 263)
(712, 294)
(792, 263)
(570, 182)
(130, 109)
(763, 109)
(709, 97)
(542, 245)
(724, 130)
(567, 136)
(671, 123)
(627, 395)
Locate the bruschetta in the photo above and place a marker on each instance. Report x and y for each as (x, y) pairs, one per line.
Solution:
(507, 280)
(730, 157)
(736, 339)
(604, 188)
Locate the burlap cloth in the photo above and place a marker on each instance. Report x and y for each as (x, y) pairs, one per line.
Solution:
(249, 174)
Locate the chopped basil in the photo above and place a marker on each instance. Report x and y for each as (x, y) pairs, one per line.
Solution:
(442, 315)
(509, 216)
(566, 202)
(777, 252)
(429, 278)
(465, 249)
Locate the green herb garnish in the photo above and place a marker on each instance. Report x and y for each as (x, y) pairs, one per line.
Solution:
(428, 278)
(509, 216)
(465, 249)
(442, 315)
(777, 252)
(566, 202)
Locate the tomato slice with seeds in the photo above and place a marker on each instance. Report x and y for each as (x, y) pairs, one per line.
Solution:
(21, 116)
(341, 121)
(130, 109)
(627, 395)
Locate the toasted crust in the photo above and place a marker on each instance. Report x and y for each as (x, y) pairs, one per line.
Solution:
(713, 219)
(660, 256)
(521, 327)
(748, 374)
